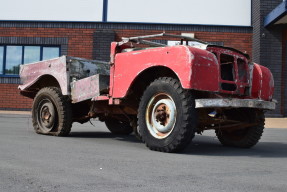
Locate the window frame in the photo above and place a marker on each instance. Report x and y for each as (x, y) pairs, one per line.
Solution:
(23, 53)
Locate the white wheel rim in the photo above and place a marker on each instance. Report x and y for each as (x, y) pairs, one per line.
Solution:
(161, 115)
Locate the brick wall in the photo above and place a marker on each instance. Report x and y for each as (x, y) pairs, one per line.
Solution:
(82, 40)
(11, 98)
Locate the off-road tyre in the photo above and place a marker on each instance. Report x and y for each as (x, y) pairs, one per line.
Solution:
(51, 112)
(118, 127)
(159, 129)
(245, 138)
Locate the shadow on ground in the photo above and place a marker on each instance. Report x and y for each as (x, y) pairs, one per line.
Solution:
(203, 145)
(210, 146)
(93, 134)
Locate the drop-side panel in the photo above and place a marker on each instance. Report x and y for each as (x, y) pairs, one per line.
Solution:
(89, 87)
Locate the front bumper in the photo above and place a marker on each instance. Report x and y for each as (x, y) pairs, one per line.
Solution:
(235, 103)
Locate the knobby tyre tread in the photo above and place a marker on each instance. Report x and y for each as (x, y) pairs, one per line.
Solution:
(62, 107)
(185, 126)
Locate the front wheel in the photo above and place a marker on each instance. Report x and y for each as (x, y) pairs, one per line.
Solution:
(167, 117)
(51, 112)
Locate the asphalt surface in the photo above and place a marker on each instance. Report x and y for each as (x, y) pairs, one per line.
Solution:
(92, 159)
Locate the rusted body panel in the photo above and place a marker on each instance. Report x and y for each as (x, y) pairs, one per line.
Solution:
(65, 70)
(31, 73)
(263, 83)
(205, 67)
(197, 69)
(188, 63)
(239, 68)
(80, 68)
(89, 87)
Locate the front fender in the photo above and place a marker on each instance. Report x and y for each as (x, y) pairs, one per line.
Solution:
(195, 68)
(262, 83)
(205, 71)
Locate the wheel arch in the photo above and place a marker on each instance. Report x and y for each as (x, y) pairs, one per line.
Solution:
(41, 82)
(145, 78)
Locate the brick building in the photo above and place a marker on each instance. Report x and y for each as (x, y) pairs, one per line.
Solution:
(239, 25)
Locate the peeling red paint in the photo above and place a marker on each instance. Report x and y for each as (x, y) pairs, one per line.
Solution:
(263, 83)
(179, 59)
(88, 88)
(31, 73)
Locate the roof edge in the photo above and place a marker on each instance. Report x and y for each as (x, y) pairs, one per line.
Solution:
(276, 14)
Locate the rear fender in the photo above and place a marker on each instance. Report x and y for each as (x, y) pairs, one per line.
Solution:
(31, 74)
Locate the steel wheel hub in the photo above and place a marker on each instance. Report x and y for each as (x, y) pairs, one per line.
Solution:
(46, 116)
(161, 115)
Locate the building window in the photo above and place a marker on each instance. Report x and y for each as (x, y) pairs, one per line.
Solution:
(12, 56)
(50, 52)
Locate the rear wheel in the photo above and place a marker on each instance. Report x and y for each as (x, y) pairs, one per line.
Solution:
(247, 137)
(51, 112)
(118, 127)
(166, 116)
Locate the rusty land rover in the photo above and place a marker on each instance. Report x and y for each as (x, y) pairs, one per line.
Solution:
(164, 94)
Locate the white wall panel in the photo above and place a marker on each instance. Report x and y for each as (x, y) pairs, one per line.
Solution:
(206, 12)
(52, 10)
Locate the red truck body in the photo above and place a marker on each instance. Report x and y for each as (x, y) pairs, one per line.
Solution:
(215, 79)
(195, 68)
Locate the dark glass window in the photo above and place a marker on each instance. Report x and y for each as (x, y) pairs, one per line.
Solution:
(12, 56)
(13, 60)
